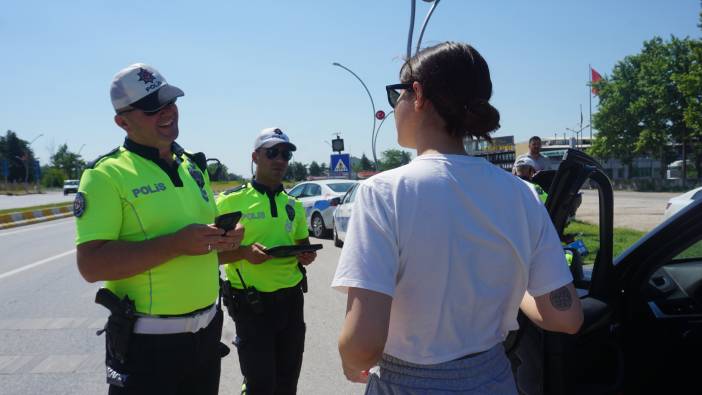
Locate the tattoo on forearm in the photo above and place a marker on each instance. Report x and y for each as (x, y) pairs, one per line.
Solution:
(561, 299)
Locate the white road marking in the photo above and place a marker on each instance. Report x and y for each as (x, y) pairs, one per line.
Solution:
(35, 264)
(13, 363)
(60, 363)
(30, 228)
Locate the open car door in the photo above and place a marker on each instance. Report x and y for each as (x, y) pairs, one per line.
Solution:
(659, 318)
(590, 362)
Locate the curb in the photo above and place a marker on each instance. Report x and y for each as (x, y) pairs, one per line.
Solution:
(12, 220)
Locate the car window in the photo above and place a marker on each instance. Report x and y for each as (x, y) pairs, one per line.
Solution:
(694, 251)
(313, 190)
(352, 195)
(347, 196)
(341, 186)
(697, 195)
(297, 191)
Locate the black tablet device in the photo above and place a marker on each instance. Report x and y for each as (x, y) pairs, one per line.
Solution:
(286, 251)
(228, 221)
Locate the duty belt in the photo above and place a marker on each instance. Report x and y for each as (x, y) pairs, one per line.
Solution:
(147, 325)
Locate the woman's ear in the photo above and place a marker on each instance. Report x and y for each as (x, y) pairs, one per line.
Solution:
(419, 98)
(254, 157)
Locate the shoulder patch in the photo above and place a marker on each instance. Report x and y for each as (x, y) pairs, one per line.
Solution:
(95, 161)
(79, 204)
(235, 189)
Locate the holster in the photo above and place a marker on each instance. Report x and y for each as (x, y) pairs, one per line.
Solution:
(120, 324)
(303, 283)
(228, 298)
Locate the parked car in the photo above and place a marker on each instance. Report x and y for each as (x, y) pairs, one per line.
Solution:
(342, 214)
(70, 186)
(642, 331)
(677, 203)
(320, 198)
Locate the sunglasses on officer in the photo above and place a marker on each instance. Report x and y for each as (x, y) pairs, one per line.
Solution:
(394, 91)
(149, 113)
(274, 152)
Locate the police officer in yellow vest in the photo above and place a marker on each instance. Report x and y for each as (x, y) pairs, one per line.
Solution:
(143, 215)
(525, 168)
(266, 297)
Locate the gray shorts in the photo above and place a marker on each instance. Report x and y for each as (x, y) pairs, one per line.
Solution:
(485, 373)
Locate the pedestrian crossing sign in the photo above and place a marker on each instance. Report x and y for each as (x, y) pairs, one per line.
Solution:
(340, 164)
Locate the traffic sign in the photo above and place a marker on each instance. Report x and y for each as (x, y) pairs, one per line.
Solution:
(37, 171)
(340, 165)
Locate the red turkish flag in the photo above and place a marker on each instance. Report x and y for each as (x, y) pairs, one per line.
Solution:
(595, 76)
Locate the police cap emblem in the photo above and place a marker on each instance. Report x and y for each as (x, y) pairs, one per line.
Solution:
(79, 204)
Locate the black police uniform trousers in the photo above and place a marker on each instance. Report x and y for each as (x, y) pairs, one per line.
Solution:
(270, 344)
(182, 363)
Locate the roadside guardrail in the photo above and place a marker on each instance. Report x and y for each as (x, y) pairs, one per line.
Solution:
(11, 220)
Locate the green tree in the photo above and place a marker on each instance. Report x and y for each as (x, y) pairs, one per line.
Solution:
(366, 164)
(69, 162)
(642, 106)
(324, 169)
(296, 172)
(314, 169)
(393, 158)
(19, 157)
(690, 85)
(52, 177)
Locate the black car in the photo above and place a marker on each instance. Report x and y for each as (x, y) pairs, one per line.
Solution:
(643, 309)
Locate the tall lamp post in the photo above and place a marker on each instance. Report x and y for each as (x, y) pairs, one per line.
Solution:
(375, 159)
(382, 120)
(26, 161)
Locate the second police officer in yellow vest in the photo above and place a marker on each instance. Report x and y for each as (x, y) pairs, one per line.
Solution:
(266, 293)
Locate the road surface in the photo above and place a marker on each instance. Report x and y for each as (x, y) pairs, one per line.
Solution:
(48, 320)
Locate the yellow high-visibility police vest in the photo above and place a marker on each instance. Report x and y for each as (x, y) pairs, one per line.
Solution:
(271, 218)
(132, 195)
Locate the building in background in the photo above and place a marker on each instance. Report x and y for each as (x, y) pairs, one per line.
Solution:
(500, 151)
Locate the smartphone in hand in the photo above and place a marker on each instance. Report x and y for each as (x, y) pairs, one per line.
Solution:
(228, 221)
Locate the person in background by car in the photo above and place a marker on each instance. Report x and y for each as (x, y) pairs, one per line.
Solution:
(437, 265)
(525, 168)
(540, 161)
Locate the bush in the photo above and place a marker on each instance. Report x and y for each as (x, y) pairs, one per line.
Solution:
(52, 178)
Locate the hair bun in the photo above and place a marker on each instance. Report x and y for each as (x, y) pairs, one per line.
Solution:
(481, 118)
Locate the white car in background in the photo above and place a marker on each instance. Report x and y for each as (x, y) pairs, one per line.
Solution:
(342, 214)
(70, 186)
(679, 202)
(320, 198)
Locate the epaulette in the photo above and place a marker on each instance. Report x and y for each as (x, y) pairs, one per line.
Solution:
(235, 189)
(199, 159)
(95, 161)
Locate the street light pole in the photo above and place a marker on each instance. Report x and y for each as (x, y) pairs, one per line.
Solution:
(375, 138)
(426, 21)
(375, 159)
(26, 161)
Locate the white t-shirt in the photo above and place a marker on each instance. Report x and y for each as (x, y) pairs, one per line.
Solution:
(541, 162)
(455, 241)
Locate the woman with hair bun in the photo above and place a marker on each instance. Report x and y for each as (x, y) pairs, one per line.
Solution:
(441, 253)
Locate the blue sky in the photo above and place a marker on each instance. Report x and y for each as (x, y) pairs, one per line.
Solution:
(249, 65)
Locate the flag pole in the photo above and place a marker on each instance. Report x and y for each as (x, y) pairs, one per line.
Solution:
(590, 94)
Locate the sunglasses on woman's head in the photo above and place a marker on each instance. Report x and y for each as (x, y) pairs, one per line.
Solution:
(394, 92)
(274, 152)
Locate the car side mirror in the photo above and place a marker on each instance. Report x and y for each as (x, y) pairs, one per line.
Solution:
(335, 202)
